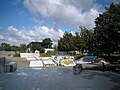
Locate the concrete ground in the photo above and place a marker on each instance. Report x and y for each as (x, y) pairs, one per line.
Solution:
(59, 78)
(21, 62)
(55, 78)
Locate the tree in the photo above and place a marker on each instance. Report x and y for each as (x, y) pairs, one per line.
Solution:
(87, 39)
(66, 43)
(14, 48)
(22, 48)
(107, 30)
(36, 46)
(78, 42)
(47, 43)
(5, 47)
(40, 46)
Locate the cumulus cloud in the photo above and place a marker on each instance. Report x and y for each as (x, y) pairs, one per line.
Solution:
(17, 36)
(1, 37)
(72, 12)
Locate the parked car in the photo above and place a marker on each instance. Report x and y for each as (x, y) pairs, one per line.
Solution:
(91, 63)
(92, 60)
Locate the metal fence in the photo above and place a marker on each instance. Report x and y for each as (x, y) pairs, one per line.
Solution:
(2, 65)
(66, 53)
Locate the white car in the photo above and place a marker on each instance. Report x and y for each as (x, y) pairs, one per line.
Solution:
(92, 60)
(92, 63)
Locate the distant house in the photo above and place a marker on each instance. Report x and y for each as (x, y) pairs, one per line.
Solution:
(33, 46)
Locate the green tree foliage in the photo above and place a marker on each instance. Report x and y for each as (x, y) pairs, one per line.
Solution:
(87, 38)
(47, 43)
(22, 48)
(107, 30)
(80, 42)
(14, 48)
(35, 46)
(66, 43)
(40, 46)
(5, 46)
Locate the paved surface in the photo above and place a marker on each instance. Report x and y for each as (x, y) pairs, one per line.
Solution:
(21, 62)
(59, 78)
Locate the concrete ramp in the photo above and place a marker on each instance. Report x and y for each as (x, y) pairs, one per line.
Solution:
(36, 64)
(30, 56)
(49, 62)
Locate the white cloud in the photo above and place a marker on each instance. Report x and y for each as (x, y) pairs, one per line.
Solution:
(72, 12)
(17, 36)
(1, 37)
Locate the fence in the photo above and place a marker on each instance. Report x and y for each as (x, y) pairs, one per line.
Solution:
(66, 53)
(2, 65)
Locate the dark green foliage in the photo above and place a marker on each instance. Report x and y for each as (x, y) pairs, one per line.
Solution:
(36, 46)
(87, 38)
(14, 48)
(5, 46)
(66, 43)
(22, 48)
(47, 43)
(107, 30)
(80, 41)
(40, 46)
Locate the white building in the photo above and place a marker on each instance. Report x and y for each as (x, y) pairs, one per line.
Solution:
(48, 49)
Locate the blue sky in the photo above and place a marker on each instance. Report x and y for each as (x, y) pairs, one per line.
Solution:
(23, 21)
